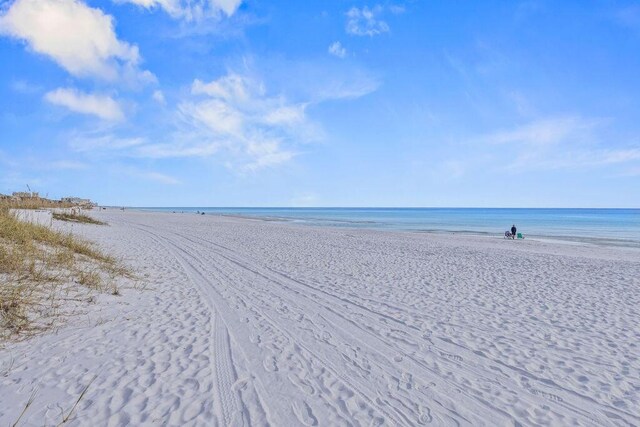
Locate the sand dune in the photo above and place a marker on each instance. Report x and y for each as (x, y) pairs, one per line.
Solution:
(248, 322)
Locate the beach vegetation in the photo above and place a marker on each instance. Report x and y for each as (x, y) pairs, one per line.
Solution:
(41, 268)
(76, 217)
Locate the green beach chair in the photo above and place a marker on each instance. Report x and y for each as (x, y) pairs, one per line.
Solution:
(520, 236)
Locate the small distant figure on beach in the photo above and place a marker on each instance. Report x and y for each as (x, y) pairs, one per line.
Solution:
(513, 231)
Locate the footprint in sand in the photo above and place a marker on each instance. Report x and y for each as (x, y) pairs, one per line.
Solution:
(407, 380)
(254, 338)
(454, 357)
(304, 413)
(300, 383)
(240, 384)
(549, 396)
(425, 415)
(193, 409)
(270, 364)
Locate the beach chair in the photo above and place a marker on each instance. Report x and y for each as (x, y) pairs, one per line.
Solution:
(519, 236)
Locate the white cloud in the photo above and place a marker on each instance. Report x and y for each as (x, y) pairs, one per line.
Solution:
(288, 115)
(266, 153)
(338, 50)
(235, 113)
(158, 96)
(217, 115)
(365, 21)
(101, 106)
(229, 7)
(232, 87)
(235, 119)
(194, 10)
(79, 38)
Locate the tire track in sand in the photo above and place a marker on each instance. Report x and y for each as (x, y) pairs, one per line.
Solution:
(227, 400)
(267, 383)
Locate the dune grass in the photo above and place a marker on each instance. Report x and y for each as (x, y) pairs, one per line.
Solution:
(35, 203)
(39, 267)
(79, 217)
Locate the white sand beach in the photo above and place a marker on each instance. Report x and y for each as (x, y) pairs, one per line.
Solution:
(250, 322)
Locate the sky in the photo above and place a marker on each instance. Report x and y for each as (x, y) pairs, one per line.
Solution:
(412, 103)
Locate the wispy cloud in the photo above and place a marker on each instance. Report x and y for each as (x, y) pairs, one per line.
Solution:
(397, 9)
(177, 149)
(631, 172)
(563, 142)
(628, 16)
(159, 177)
(348, 85)
(547, 131)
(158, 96)
(590, 157)
(305, 200)
(140, 173)
(67, 165)
(101, 106)
(365, 21)
(195, 10)
(81, 39)
(318, 80)
(103, 142)
(25, 87)
(336, 49)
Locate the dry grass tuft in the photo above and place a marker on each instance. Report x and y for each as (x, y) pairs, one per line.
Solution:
(81, 218)
(38, 267)
(35, 203)
(67, 417)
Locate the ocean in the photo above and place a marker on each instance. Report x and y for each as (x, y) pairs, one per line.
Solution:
(620, 227)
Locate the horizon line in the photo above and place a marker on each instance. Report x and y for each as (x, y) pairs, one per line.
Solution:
(363, 207)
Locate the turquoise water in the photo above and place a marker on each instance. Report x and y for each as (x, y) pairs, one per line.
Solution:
(600, 226)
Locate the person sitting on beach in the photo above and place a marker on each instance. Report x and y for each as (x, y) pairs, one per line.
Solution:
(513, 231)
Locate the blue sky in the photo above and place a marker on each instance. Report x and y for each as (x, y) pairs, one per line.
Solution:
(322, 103)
